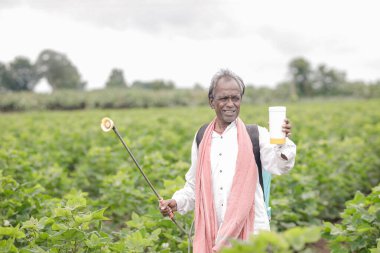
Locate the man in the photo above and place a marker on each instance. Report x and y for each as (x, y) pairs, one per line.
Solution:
(222, 184)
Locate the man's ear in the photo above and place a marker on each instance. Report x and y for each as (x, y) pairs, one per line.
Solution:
(210, 101)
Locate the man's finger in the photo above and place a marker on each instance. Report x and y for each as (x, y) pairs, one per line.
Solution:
(163, 207)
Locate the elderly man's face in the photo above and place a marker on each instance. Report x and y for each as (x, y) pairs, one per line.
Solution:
(226, 101)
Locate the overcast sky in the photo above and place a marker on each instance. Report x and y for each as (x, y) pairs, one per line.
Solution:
(187, 41)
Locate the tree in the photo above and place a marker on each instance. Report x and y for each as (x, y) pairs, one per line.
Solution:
(22, 74)
(301, 76)
(19, 75)
(58, 70)
(116, 79)
(327, 81)
(3, 77)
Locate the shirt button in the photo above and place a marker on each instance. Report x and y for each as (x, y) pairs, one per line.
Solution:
(221, 137)
(221, 171)
(221, 188)
(220, 154)
(222, 204)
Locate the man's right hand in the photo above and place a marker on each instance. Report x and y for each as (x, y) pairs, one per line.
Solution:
(167, 206)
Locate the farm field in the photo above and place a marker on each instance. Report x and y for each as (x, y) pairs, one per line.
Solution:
(66, 186)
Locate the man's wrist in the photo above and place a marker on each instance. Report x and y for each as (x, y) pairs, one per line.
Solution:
(178, 203)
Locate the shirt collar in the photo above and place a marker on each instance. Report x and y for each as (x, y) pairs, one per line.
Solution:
(232, 125)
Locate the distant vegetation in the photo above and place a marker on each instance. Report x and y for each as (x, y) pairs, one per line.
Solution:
(116, 79)
(146, 98)
(19, 78)
(101, 99)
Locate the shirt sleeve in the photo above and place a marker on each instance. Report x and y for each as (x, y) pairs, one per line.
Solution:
(270, 154)
(185, 197)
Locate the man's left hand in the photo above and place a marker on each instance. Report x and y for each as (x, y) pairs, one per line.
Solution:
(286, 128)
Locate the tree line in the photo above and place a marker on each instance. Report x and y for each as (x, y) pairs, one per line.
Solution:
(23, 75)
(306, 81)
(303, 80)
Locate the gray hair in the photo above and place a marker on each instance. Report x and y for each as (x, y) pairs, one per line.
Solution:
(225, 73)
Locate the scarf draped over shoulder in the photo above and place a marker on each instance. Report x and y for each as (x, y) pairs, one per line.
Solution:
(239, 217)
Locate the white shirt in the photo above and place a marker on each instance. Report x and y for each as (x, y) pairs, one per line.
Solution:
(224, 149)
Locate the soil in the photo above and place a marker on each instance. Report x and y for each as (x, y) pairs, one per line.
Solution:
(321, 246)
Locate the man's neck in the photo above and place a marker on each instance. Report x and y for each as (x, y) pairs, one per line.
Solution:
(220, 127)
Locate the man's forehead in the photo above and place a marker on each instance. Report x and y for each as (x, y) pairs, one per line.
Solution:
(227, 84)
(226, 79)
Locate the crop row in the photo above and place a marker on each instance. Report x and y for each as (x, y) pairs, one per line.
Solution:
(64, 178)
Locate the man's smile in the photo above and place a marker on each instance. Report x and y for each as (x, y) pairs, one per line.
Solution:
(229, 111)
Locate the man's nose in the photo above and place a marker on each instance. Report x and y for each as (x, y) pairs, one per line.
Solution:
(230, 102)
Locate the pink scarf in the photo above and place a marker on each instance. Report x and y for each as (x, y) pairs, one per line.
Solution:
(240, 213)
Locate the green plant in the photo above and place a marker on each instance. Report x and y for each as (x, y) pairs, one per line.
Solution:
(293, 240)
(359, 230)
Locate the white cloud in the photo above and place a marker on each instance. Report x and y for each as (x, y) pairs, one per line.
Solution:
(187, 41)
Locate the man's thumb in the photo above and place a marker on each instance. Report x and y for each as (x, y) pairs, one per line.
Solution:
(163, 204)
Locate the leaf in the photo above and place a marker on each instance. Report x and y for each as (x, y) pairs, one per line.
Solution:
(33, 224)
(98, 215)
(336, 230)
(156, 232)
(83, 218)
(76, 202)
(135, 216)
(358, 244)
(364, 227)
(73, 234)
(136, 221)
(46, 221)
(62, 212)
(136, 242)
(295, 238)
(58, 227)
(32, 249)
(368, 217)
(12, 232)
(312, 234)
(358, 199)
(7, 246)
(93, 242)
(44, 235)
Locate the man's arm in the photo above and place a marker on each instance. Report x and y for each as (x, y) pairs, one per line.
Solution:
(185, 197)
(277, 159)
(183, 200)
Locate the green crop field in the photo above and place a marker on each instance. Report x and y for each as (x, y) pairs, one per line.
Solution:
(66, 186)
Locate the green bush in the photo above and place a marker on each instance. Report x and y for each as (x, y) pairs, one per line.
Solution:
(359, 230)
(293, 240)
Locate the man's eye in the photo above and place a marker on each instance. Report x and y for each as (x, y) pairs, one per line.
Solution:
(235, 99)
